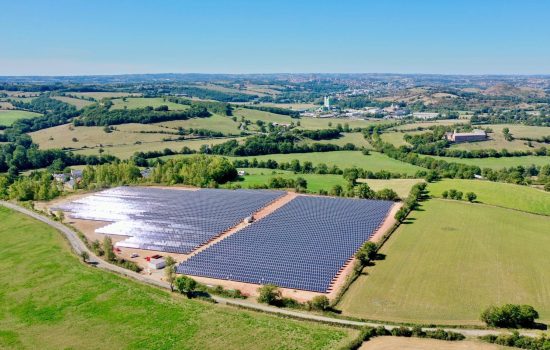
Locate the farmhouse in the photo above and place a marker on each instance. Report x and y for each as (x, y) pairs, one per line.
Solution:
(474, 135)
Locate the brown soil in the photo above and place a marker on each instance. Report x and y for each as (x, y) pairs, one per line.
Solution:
(387, 224)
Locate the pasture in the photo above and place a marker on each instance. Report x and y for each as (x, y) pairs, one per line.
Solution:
(426, 124)
(315, 182)
(355, 138)
(453, 259)
(497, 193)
(397, 138)
(98, 95)
(497, 141)
(77, 102)
(142, 102)
(499, 163)
(50, 300)
(519, 130)
(7, 117)
(125, 151)
(215, 122)
(91, 136)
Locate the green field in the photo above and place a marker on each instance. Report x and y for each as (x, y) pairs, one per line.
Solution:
(7, 117)
(142, 102)
(497, 141)
(346, 159)
(499, 163)
(497, 193)
(100, 95)
(49, 300)
(453, 259)
(91, 136)
(77, 102)
(125, 151)
(427, 124)
(401, 186)
(518, 130)
(215, 122)
(315, 182)
(355, 138)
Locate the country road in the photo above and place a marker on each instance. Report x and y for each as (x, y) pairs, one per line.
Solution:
(78, 246)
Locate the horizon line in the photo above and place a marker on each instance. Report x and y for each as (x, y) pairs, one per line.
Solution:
(273, 73)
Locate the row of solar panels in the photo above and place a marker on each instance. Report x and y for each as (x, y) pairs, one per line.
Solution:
(302, 245)
(168, 220)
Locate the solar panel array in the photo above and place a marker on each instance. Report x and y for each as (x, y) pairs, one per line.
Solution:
(176, 221)
(302, 245)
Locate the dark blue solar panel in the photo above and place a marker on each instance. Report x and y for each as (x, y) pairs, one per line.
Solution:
(168, 220)
(302, 245)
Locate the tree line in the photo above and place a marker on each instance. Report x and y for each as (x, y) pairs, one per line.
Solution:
(103, 115)
(272, 144)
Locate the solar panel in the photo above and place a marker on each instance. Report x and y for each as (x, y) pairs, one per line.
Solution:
(302, 245)
(168, 220)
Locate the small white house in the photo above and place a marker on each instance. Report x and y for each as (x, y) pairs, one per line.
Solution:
(241, 173)
(156, 264)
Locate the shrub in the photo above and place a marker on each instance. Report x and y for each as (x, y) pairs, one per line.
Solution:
(401, 332)
(186, 285)
(445, 194)
(387, 194)
(510, 316)
(269, 294)
(320, 302)
(471, 196)
(518, 341)
(367, 252)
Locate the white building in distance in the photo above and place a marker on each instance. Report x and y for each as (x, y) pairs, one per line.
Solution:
(425, 115)
(326, 102)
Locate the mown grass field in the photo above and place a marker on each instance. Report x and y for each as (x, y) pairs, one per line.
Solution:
(453, 259)
(497, 193)
(427, 124)
(215, 122)
(91, 136)
(397, 138)
(346, 159)
(125, 151)
(355, 138)
(315, 182)
(7, 117)
(78, 103)
(49, 300)
(142, 102)
(401, 186)
(499, 163)
(497, 141)
(518, 130)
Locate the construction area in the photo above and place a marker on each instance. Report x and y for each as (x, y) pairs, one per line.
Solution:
(239, 239)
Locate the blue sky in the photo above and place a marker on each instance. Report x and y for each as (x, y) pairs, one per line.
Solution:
(57, 37)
